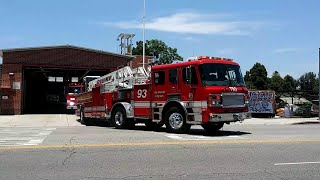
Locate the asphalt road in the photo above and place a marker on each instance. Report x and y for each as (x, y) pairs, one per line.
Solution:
(97, 152)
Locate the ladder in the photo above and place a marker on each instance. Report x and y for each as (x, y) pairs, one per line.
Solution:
(121, 78)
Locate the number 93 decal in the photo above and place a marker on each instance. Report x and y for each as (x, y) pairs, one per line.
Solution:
(142, 93)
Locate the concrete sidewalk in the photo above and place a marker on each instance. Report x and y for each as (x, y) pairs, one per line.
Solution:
(274, 121)
(39, 120)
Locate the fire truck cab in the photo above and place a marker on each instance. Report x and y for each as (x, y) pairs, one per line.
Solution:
(206, 91)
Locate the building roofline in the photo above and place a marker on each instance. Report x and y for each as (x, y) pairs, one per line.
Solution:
(64, 46)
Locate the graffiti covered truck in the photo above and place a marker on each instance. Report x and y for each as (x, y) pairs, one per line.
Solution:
(262, 103)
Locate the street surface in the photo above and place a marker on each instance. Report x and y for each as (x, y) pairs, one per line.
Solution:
(239, 151)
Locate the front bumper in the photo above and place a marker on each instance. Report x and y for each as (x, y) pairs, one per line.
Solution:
(228, 117)
(71, 107)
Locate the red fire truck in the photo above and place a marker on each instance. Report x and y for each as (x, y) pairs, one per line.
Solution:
(72, 91)
(206, 91)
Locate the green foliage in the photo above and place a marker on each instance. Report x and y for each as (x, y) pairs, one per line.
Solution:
(276, 82)
(304, 110)
(248, 81)
(309, 83)
(289, 84)
(167, 54)
(258, 77)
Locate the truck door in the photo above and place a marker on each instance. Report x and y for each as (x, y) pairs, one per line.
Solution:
(173, 91)
(188, 87)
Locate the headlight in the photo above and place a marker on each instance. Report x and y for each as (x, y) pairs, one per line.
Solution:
(214, 100)
(72, 103)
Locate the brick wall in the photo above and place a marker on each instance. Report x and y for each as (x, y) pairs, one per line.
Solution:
(137, 61)
(11, 73)
(64, 56)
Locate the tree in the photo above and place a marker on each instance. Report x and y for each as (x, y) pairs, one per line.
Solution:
(308, 82)
(157, 47)
(276, 82)
(258, 76)
(248, 81)
(289, 84)
(309, 85)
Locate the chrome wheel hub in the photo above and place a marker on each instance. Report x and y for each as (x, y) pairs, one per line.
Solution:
(176, 120)
(118, 118)
(81, 116)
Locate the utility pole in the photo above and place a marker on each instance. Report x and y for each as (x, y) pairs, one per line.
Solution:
(143, 38)
(319, 87)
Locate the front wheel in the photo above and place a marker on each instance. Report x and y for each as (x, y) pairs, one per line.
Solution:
(211, 127)
(176, 121)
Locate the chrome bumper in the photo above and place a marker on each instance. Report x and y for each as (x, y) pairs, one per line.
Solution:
(71, 107)
(228, 117)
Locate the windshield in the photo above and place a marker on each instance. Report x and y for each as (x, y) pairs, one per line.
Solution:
(74, 90)
(221, 75)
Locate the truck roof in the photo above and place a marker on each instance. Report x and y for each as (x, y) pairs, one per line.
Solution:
(194, 62)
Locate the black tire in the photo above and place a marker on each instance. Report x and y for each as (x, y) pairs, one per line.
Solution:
(153, 126)
(120, 120)
(71, 111)
(176, 126)
(83, 119)
(212, 127)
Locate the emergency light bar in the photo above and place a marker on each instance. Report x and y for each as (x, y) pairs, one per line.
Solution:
(208, 57)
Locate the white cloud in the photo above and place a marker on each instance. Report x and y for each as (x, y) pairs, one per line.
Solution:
(191, 39)
(193, 23)
(286, 50)
(226, 51)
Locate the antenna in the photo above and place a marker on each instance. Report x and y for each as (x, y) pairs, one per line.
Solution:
(125, 43)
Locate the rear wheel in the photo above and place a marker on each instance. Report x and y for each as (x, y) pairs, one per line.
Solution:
(176, 121)
(120, 120)
(211, 127)
(83, 119)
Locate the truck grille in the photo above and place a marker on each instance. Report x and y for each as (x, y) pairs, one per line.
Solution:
(233, 100)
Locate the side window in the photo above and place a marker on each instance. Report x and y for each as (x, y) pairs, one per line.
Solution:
(184, 75)
(194, 79)
(159, 77)
(173, 76)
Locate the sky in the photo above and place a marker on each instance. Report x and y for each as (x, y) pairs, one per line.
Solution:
(283, 35)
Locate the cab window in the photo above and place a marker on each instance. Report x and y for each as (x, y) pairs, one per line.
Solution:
(194, 79)
(173, 76)
(159, 77)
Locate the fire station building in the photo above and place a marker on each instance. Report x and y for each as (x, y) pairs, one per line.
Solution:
(33, 80)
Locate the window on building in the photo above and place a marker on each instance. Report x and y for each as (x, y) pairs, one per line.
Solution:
(159, 78)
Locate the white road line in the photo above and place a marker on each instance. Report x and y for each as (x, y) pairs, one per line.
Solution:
(201, 138)
(173, 136)
(23, 136)
(296, 163)
(43, 133)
